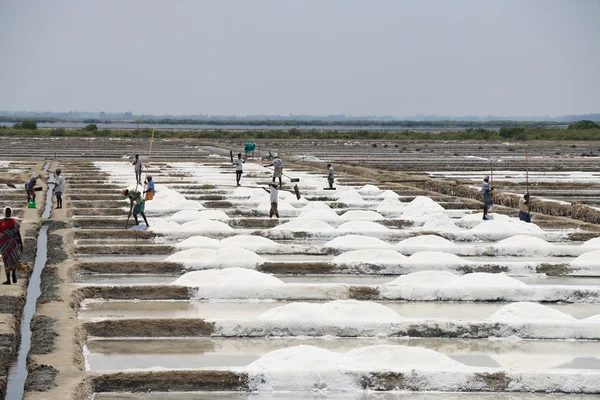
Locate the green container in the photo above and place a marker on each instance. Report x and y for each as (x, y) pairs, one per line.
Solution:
(31, 204)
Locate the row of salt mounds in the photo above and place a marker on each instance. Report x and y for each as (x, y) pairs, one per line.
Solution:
(206, 226)
(223, 257)
(304, 368)
(522, 244)
(351, 242)
(442, 278)
(191, 215)
(497, 230)
(248, 242)
(391, 208)
(333, 311)
(370, 257)
(527, 311)
(227, 277)
(426, 243)
(365, 215)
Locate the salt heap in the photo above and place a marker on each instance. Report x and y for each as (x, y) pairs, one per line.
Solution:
(421, 207)
(487, 279)
(526, 311)
(333, 311)
(250, 242)
(198, 242)
(363, 227)
(587, 259)
(425, 278)
(307, 225)
(592, 243)
(522, 244)
(242, 192)
(224, 257)
(371, 256)
(350, 197)
(285, 209)
(167, 200)
(496, 229)
(436, 258)
(478, 217)
(365, 215)
(391, 208)
(426, 243)
(439, 222)
(369, 190)
(328, 215)
(389, 194)
(205, 225)
(192, 215)
(351, 242)
(394, 358)
(316, 205)
(227, 277)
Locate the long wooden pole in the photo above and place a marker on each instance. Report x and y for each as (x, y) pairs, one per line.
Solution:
(491, 186)
(527, 169)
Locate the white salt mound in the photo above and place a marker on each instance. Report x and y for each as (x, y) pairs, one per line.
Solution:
(206, 225)
(593, 318)
(512, 227)
(366, 215)
(186, 216)
(439, 222)
(524, 242)
(350, 197)
(227, 277)
(352, 242)
(390, 204)
(224, 257)
(265, 206)
(587, 259)
(487, 279)
(319, 215)
(427, 242)
(362, 226)
(249, 242)
(526, 311)
(436, 258)
(425, 278)
(198, 241)
(334, 311)
(479, 217)
(370, 256)
(389, 194)
(213, 214)
(595, 242)
(369, 189)
(316, 205)
(393, 358)
(302, 358)
(421, 206)
(306, 225)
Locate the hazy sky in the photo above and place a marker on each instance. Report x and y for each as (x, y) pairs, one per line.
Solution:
(368, 57)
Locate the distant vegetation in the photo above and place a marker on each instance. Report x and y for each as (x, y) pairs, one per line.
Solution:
(584, 124)
(504, 134)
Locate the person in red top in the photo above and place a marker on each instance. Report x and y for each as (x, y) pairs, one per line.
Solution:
(11, 246)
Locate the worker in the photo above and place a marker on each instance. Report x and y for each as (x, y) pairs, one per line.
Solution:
(30, 187)
(524, 214)
(330, 175)
(137, 166)
(59, 187)
(150, 191)
(274, 197)
(11, 246)
(135, 196)
(486, 194)
(239, 168)
(277, 165)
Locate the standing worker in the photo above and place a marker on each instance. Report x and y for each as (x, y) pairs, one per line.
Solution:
(239, 168)
(59, 187)
(150, 191)
(274, 197)
(11, 246)
(137, 165)
(330, 175)
(30, 187)
(135, 196)
(486, 194)
(524, 214)
(277, 169)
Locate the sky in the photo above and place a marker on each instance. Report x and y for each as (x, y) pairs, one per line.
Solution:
(310, 57)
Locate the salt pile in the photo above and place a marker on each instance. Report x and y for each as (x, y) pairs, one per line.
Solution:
(363, 227)
(167, 200)
(316, 205)
(526, 311)
(425, 278)
(369, 190)
(391, 208)
(350, 197)
(227, 277)
(595, 242)
(315, 226)
(439, 222)
(593, 318)
(487, 279)
(496, 229)
(285, 209)
(214, 214)
(250, 242)
(192, 215)
(333, 311)
(351, 242)
(426, 243)
(522, 244)
(365, 215)
(421, 207)
(370, 256)
(224, 257)
(478, 217)
(241, 192)
(587, 259)
(394, 358)
(436, 258)
(329, 215)
(389, 194)
(206, 225)
(198, 242)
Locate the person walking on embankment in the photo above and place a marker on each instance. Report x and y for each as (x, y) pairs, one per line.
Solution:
(524, 214)
(274, 197)
(11, 246)
(59, 187)
(486, 194)
(277, 165)
(330, 175)
(135, 197)
(239, 168)
(137, 166)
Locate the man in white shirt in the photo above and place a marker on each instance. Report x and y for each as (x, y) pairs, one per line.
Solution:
(137, 165)
(274, 197)
(59, 187)
(239, 168)
(278, 169)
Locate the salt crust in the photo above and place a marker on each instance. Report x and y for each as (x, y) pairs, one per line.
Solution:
(334, 311)
(527, 311)
(305, 226)
(591, 258)
(352, 242)
(366, 215)
(362, 226)
(370, 256)
(224, 257)
(227, 277)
